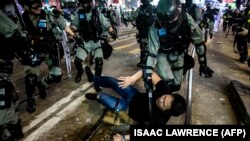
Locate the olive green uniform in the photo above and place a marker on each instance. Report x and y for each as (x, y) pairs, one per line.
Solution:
(93, 48)
(170, 66)
(55, 69)
(7, 28)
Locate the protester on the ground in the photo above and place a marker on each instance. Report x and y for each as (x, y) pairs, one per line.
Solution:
(165, 104)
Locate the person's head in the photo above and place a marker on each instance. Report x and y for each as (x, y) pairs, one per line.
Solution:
(174, 104)
(87, 5)
(33, 6)
(168, 11)
(146, 2)
(208, 6)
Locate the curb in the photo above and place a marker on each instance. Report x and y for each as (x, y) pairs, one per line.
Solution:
(239, 98)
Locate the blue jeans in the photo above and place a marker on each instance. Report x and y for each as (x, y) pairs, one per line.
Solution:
(111, 102)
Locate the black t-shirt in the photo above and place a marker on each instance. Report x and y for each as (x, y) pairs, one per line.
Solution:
(139, 107)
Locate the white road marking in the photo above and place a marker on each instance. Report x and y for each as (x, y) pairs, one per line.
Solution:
(57, 118)
(42, 116)
(125, 46)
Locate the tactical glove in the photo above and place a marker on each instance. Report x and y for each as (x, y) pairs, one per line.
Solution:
(206, 71)
(113, 34)
(30, 58)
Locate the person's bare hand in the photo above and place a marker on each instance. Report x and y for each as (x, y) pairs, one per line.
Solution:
(125, 81)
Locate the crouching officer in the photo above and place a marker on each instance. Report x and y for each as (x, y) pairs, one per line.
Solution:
(14, 44)
(144, 18)
(90, 24)
(41, 27)
(169, 37)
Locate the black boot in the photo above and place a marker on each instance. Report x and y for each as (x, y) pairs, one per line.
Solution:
(17, 130)
(78, 76)
(89, 74)
(31, 105)
(91, 96)
(211, 35)
(42, 90)
(78, 64)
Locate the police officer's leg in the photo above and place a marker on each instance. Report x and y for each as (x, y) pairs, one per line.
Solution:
(143, 56)
(211, 29)
(164, 69)
(30, 85)
(244, 53)
(10, 124)
(81, 55)
(206, 34)
(17, 129)
(55, 76)
(98, 55)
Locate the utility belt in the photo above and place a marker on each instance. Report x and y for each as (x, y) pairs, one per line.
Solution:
(171, 50)
(90, 36)
(94, 39)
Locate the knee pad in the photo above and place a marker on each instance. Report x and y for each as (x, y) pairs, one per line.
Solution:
(50, 79)
(30, 79)
(98, 66)
(30, 84)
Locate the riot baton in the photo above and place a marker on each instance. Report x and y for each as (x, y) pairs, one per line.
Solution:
(149, 90)
(150, 95)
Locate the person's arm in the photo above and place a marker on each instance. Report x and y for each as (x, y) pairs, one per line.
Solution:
(196, 36)
(125, 81)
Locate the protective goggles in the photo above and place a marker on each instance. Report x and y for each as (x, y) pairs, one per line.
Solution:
(38, 5)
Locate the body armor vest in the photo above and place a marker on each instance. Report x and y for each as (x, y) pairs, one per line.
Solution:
(176, 38)
(41, 29)
(144, 20)
(210, 15)
(89, 30)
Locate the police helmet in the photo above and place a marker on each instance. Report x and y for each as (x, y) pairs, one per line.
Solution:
(167, 10)
(144, 1)
(84, 1)
(208, 5)
(29, 3)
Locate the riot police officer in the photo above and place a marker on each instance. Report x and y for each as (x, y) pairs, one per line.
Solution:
(144, 18)
(41, 27)
(14, 44)
(90, 24)
(169, 37)
(209, 19)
